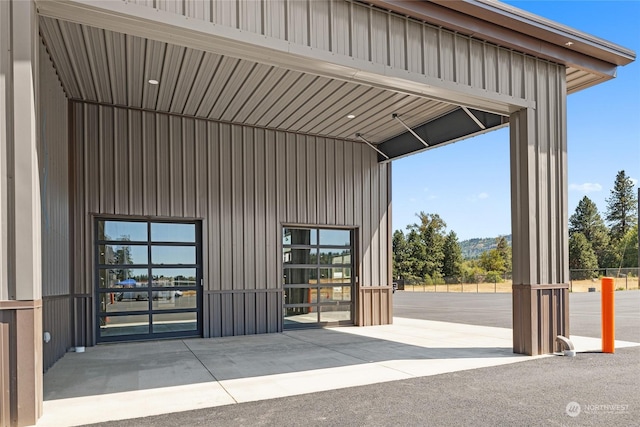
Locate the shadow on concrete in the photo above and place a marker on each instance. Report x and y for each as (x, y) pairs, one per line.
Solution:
(114, 368)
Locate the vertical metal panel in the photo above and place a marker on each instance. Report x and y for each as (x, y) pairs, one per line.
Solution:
(226, 206)
(189, 167)
(225, 13)
(490, 67)
(56, 319)
(357, 32)
(415, 47)
(375, 223)
(214, 203)
(298, 22)
(462, 57)
(120, 169)
(341, 27)
(250, 15)
(137, 164)
(198, 10)
(275, 19)
(379, 39)
(163, 166)
(476, 63)
(320, 25)
(398, 42)
(311, 181)
(349, 193)
(517, 72)
(504, 72)
(447, 56)
(149, 164)
(272, 225)
(330, 179)
(107, 162)
(339, 173)
(53, 148)
(249, 208)
(321, 148)
(300, 179)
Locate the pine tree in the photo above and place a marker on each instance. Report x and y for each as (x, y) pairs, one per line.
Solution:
(431, 235)
(452, 263)
(587, 220)
(581, 257)
(622, 209)
(504, 250)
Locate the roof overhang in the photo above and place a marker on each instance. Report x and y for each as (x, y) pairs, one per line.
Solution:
(105, 51)
(595, 59)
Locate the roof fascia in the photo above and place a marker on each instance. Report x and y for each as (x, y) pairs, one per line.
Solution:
(495, 22)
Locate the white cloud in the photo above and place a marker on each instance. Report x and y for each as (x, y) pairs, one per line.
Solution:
(587, 187)
(479, 196)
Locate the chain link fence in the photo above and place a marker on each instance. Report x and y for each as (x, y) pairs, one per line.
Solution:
(579, 281)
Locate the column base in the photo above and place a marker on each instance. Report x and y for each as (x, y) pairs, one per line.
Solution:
(20, 362)
(540, 314)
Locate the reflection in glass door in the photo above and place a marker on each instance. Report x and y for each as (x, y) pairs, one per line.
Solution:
(148, 280)
(318, 277)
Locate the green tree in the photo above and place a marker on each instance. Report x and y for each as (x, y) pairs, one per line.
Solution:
(582, 257)
(401, 262)
(587, 220)
(505, 252)
(622, 209)
(492, 261)
(624, 254)
(430, 232)
(452, 262)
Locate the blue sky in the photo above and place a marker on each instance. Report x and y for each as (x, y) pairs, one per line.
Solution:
(467, 183)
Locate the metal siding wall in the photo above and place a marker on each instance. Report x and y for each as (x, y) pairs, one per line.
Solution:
(244, 182)
(55, 202)
(539, 158)
(54, 179)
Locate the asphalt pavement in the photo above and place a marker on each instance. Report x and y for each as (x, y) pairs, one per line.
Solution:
(591, 389)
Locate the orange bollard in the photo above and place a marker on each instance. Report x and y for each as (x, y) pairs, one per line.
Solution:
(608, 318)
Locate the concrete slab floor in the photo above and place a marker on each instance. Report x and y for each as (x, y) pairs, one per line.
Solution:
(122, 381)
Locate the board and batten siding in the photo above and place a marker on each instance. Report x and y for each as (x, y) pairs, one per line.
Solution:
(244, 183)
(366, 33)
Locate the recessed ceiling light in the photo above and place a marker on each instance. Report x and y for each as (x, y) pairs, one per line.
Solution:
(568, 43)
(351, 116)
(153, 82)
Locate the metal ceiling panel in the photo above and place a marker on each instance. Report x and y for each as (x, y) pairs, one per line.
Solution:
(186, 79)
(171, 69)
(112, 68)
(134, 80)
(78, 58)
(202, 80)
(260, 95)
(115, 46)
(155, 53)
(97, 57)
(226, 67)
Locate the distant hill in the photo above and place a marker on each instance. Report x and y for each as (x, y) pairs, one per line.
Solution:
(472, 248)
